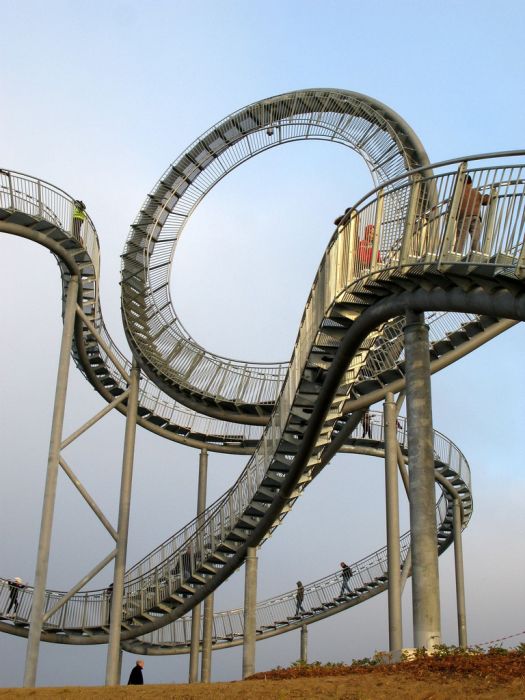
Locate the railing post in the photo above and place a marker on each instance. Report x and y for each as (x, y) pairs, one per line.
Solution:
(377, 229)
(395, 629)
(112, 667)
(250, 601)
(425, 576)
(48, 506)
(452, 215)
(491, 219)
(9, 180)
(407, 249)
(460, 580)
(39, 190)
(196, 612)
(350, 231)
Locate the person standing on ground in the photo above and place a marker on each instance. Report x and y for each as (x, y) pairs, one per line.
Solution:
(135, 677)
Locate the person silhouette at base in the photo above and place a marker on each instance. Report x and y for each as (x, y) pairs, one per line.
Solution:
(135, 677)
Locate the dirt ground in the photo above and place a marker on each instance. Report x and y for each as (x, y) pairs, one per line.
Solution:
(451, 678)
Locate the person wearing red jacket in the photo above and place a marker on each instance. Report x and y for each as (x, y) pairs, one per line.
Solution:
(365, 247)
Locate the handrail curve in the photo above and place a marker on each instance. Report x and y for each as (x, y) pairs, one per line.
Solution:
(349, 343)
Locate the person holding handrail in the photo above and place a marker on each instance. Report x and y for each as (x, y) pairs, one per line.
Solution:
(346, 575)
(366, 422)
(469, 216)
(15, 587)
(341, 220)
(299, 597)
(79, 216)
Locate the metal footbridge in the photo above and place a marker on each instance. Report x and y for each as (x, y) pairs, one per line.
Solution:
(289, 418)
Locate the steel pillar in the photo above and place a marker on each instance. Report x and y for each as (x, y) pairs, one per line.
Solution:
(460, 581)
(48, 506)
(304, 644)
(395, 629)
(425, 573)
(113, 660)
(207, 639)
(250, 601)
(193, 675)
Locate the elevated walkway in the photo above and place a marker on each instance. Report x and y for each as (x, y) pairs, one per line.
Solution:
(348, 353)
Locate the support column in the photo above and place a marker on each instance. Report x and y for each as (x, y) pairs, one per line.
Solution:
(207, 639)
(250, 601)
(460, 581)
(304, 644)
(193, 675)
(425, 573)
(395, 629)
(113, 660)
(48, 506)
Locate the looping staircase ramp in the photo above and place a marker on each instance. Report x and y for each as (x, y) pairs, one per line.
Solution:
(323, 597)
(274, 616)
(336, 353)
(311, 407)
(229, 389)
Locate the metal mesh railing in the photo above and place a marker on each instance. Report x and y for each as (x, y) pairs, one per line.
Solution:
(156, 331)
(501, 242)
(41, 201)
(328, 592)
(91, 609)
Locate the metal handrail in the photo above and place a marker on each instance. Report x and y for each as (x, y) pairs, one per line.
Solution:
(155, 331)
(423, 243)
(220, 516)
(90, 609)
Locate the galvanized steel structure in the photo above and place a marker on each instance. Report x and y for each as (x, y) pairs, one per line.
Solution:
(289, 417)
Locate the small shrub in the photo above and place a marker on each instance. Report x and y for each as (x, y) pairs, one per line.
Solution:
(497, 651)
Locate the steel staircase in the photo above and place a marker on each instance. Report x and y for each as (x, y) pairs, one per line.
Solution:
(349, 346)
(322, 598)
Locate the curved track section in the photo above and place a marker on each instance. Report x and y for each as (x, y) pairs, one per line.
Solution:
(348, 349)
(274, 616)
(229, 389)
(324, 597)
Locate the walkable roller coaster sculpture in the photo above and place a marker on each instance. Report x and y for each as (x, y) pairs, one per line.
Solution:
(440, 277)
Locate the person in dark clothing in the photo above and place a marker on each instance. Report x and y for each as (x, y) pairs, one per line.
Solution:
(367, 424)
(109, 594)
(15, 588)
(135, 677)
(299, 597)
(346, 574)
(343, 218)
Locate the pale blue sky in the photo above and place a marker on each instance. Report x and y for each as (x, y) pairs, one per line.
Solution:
(98, 98)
